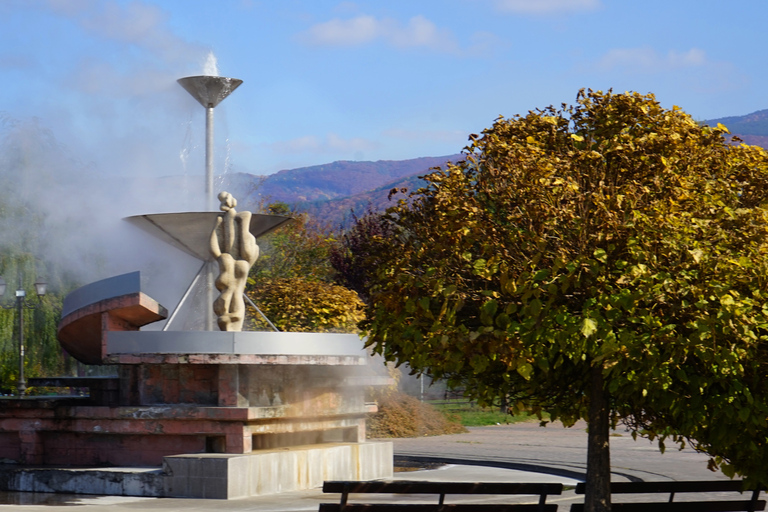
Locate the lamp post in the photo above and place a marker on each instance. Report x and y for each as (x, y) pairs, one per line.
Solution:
(21, 304)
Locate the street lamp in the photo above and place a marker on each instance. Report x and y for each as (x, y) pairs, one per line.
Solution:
(21, 304)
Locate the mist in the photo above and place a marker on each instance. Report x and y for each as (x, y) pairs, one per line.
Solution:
(119, 138)
(66, 206)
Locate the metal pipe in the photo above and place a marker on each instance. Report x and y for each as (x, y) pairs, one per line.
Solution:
(209, 207)
(209, 157)
(184, 298)
(21, 387)
(261, 313)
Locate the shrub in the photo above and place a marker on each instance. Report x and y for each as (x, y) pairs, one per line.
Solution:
(401, 415)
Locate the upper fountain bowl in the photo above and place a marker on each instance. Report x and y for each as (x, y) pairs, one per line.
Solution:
(209, 90)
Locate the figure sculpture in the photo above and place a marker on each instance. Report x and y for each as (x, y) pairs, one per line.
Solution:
(235, 250)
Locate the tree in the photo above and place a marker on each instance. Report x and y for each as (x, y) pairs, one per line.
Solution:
(353, 257)
(302, 305)
(292, 281)
(299, 249)
(606, 261)
(44, 356)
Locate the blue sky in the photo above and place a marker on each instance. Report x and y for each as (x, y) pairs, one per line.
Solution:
(366, 80)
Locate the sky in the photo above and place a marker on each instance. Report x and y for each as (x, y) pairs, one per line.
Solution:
(328, 80)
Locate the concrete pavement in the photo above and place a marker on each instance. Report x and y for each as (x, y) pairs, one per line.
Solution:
(560, 451)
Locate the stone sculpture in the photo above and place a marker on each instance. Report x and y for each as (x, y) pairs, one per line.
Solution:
(235, 250)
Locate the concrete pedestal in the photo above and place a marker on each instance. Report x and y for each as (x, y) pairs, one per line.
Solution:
(225, 414)
(214, 475)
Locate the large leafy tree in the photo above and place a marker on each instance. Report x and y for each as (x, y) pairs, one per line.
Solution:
(606, 261)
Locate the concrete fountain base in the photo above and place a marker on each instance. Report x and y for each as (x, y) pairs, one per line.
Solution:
(214, 475)
(190, 414)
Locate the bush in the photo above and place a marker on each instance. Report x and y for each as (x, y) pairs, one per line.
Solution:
(401, 415)
(303, 305)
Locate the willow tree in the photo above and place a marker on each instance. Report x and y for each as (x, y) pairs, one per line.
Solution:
(31, 165)
(606, 261)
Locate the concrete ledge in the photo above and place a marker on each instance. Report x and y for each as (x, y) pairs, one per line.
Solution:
(224, 476)
(146, 482)
(242, 343)
(215, 475)
(234, 359)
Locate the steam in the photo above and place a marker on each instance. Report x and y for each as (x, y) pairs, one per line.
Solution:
(112, 137)
(68, 215)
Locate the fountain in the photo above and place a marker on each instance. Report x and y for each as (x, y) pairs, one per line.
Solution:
(199, 413)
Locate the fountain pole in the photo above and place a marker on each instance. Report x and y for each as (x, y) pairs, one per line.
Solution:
(209, 91)
(209, 158)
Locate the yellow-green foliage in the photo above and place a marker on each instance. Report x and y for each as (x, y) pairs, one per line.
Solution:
(44, 356)
(302, 305)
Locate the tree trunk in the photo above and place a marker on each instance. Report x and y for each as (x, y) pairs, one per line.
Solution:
(597, 496)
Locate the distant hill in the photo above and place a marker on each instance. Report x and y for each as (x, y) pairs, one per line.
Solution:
(755, 123)
(339, 212)
(751, 128)
(331, 191)
(341, 179)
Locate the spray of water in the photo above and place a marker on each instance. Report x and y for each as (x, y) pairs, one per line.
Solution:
(211, 65)
(188, 145)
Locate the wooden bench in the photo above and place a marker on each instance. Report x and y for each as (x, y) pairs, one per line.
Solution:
(441, 489)
(671, 487)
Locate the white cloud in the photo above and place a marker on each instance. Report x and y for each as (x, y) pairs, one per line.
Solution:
(457, 137)
(306, 144)
(337, 143)
(135, 23)
(132, 23)
(331, 143)
(546, 6)
(693, 57)
(145, 54)
(363, 29)
(647, 59)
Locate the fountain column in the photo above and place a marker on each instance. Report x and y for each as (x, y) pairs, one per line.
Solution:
(209, 158)
(209, 91)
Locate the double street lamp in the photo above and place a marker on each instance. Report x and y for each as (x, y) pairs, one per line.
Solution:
(21, 305)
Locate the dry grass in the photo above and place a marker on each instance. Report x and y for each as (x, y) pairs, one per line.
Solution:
(401, 415)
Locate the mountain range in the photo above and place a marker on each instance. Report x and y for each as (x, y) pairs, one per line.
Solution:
(332, 191)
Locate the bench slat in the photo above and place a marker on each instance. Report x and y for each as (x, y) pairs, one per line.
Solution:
(421, 487)
(670, 486)
(405, 507)
(682, 506)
